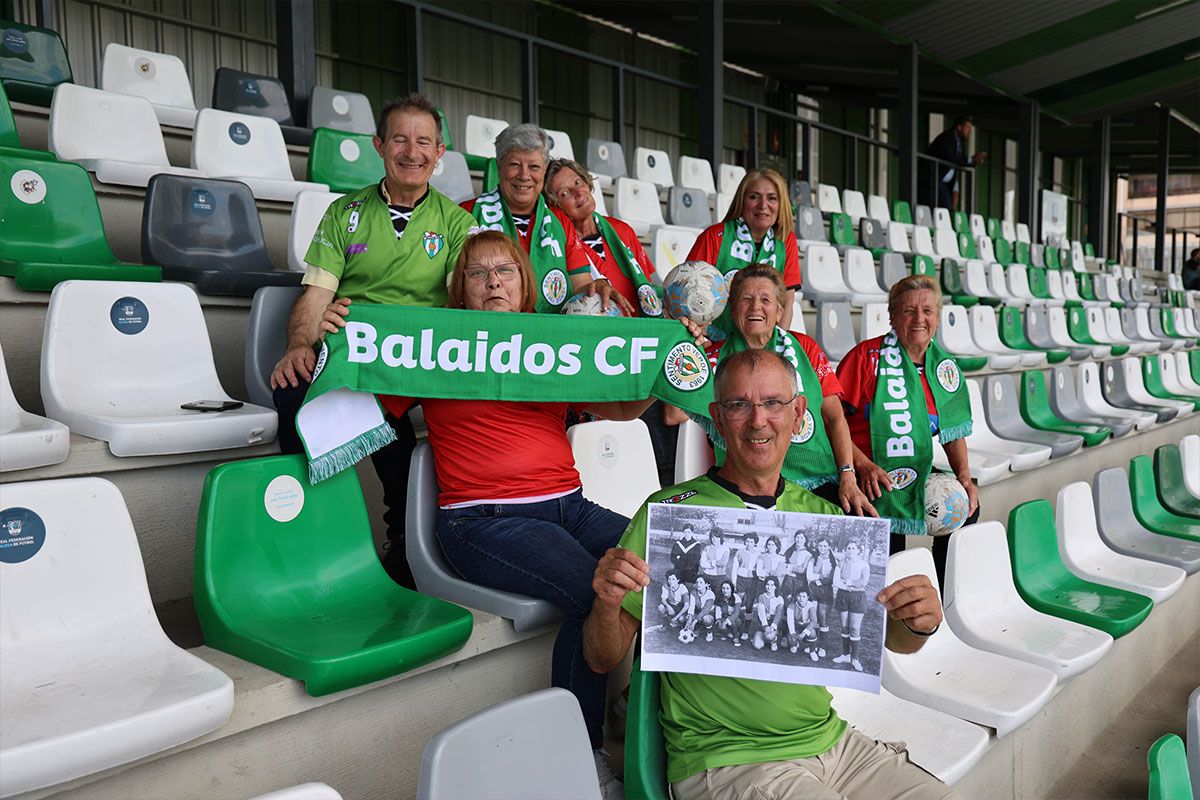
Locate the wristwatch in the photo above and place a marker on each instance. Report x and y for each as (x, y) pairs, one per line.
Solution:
(846, 468)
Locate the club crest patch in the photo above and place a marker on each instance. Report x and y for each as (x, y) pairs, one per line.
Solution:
(433, 243)
(902, 477)
(948, 375)
(554, 287)
(679, 498)
(806, 431)
(28, 186)
(686, 368)
(648, 300)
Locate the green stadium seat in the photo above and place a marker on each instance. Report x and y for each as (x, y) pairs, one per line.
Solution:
(10, 143)
(1035, 410)
(1045, 583)
(923, 265)
(966, 245)
(346, 161)
(1012, 333)
(1003, 252)
(286, 576)
(1152, 377)
(1084, 282)
(1088, 250)
(53, 232)
(32, 62)
(1149, 509)
(645, 749)
(902, 212)
(841, 231)
(962, 223)
(1171, 484)
(1169, 770)
(1038, 283)
(1021, 253)
(1194, 363)
(952, 285)
(1050, 258)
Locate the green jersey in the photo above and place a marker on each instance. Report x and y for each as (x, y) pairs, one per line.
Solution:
(356, 242)
(712, 721)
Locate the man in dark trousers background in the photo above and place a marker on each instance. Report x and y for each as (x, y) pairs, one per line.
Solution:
(939, 182)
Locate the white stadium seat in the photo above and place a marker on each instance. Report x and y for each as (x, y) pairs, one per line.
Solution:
(615, 462)
(922, 243)
(985, 468)
(828, 199)
(986, 334)
(306, 791)
(1023, 455)
(27, 440)
(160, 78)
(941, 220)
(1090, 392)
(115, 136)
(653, 166)
(1018, 286)
(877, 209)
(724, 200)
(696, 173)
(249, 149)
(984, 609)
(1022, 233)
(1183, 374)
(533, 747)
(1171, 382)
(975, 279)
(729, 177)
(1131, 369)
(875, 321)
(118, 360)
(897, 235)
(1189, 447)
(693, 454)
(598, 196)
(560, 144)
(636, 203)
(821, 274)
(835, 330)
(307, 211)
(479, 138)
(985, 249)
(858, 271)
(1086, 554)
(954, 334)
(452, 177)
(89, 679)
(1008, 230)
(950, 676)
(606, 161)
(671, 245)
(978, 226)
(854, 205)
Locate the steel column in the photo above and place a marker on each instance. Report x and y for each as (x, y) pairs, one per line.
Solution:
(1160, 205)
(295, 24)
(711, 59)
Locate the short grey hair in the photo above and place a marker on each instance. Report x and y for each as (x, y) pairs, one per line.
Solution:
(751, 359)
(525, 137)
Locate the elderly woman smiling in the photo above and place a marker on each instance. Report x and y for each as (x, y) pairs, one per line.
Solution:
(887, 382)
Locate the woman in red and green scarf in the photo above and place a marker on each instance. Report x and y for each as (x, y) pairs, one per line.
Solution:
(757, 229)
(612, 246)
(894, 410)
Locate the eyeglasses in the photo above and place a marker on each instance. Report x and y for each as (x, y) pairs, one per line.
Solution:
(505, 272)
(741, 409)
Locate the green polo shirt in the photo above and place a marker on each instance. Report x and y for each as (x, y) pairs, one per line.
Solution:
(712, 721)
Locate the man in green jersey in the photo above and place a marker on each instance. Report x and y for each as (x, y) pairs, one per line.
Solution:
(394, 242)
(730, 738)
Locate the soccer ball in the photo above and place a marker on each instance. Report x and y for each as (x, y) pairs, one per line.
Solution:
(696, 290)
(687, 636)
(946, 504)
(588, 305)
(771, 633)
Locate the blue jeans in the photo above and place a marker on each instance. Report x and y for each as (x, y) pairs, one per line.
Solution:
(548, 550)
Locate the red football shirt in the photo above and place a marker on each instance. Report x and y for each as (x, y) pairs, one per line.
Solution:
(857, 375)
(708, 247)
(577, 252)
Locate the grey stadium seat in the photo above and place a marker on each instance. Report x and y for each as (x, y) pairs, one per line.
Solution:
(835, 329)
(802, 194)
(688, 208)
(1037, 331)
(809, 229)
(266, 338)
(892, 268)
(1115, 384)
(1065, 403)
(871, 234)
(1002, 407)
(344, 111)
(435, 576)
(452, 177)
(923, 216)
(1120, 529)
(208, 232)
(606, 160)
(259, 96)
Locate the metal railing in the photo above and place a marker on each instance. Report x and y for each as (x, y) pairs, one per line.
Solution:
(930, 173)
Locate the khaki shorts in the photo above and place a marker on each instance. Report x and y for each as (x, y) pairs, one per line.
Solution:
(857, 767)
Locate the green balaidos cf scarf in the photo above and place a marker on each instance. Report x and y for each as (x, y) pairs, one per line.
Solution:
(649, 296)
(547, 245)
(485, 355)
(809, 461)
(737, 249)
(898, 419)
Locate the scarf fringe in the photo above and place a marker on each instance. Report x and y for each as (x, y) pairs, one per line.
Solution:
(907, 527)
(955, 432)
(813, 481)
(350, 453)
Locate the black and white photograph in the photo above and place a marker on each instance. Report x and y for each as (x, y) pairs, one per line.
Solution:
(768, 595)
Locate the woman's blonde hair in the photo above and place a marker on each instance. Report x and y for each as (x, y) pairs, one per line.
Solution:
(913, 283)
(490, 242)
(784, 223)
(759, 272)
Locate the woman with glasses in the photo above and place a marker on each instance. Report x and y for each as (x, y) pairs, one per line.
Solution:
(613, 248)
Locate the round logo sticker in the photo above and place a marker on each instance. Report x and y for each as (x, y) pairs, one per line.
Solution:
(16, 42)
(349, 150)
(239, 133)
(687, 200)
(948, 375)
(201, 202)
(1109, 372)
(607, 451)
(22, 534)
(650, 161)
(284, 498)
(602, 151)
(997, 391)
(832, 319)
(28, 186)
(341, 106)
(950, 318)
(648, 300)
(250, 88)
(1062, 381)
(322, 357)
(902, 477)
(554, 287)
(144, 68)
(686, 367)
(806, 430)
(129, 315)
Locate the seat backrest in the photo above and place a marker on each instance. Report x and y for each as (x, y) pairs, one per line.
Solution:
(1050, 258)
(8, 126)
(960, 222)
(978, 226)
(875, 321)
(671, 246)
(144, 344)
(952, 273)
(51, 214)
(653, 166)
(858, 268)
(983, 326)
(479, 138)
(1008, 230)
(835, 329)
(729, 177)
(635, 200)
(828, 199)
(160, 78)
(228, 144)
(615, 462)
(340, 110)
(1037, 567)
(983, 249)
(1000, 400)
(696, 173)
(1023, 233)
(941, 219)
(606, 158)
(343, 160)
(946, 243)
(91, 124)
(202, 223)
(266, 338)
(922, 241)
(897, 238)
(801, 193)
(307, 210)
(452, 177)
(979, 576)
(560, 144)
(902, 212)
(854, 205)
(877, 208)
(822, 270)
(1075, 522)
(1168, 763)
(533, 747)
(1021, 253)
(923, 265)
(688, 207)
(693, 454)
(808, 225)
(841, 230)
(10, 411)
(255, 95)
(870, 234)
(305, 791)
(955, 330)
(966, 246)
(923, 216)
(32, 55)
(645, 747)
(891, 269)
